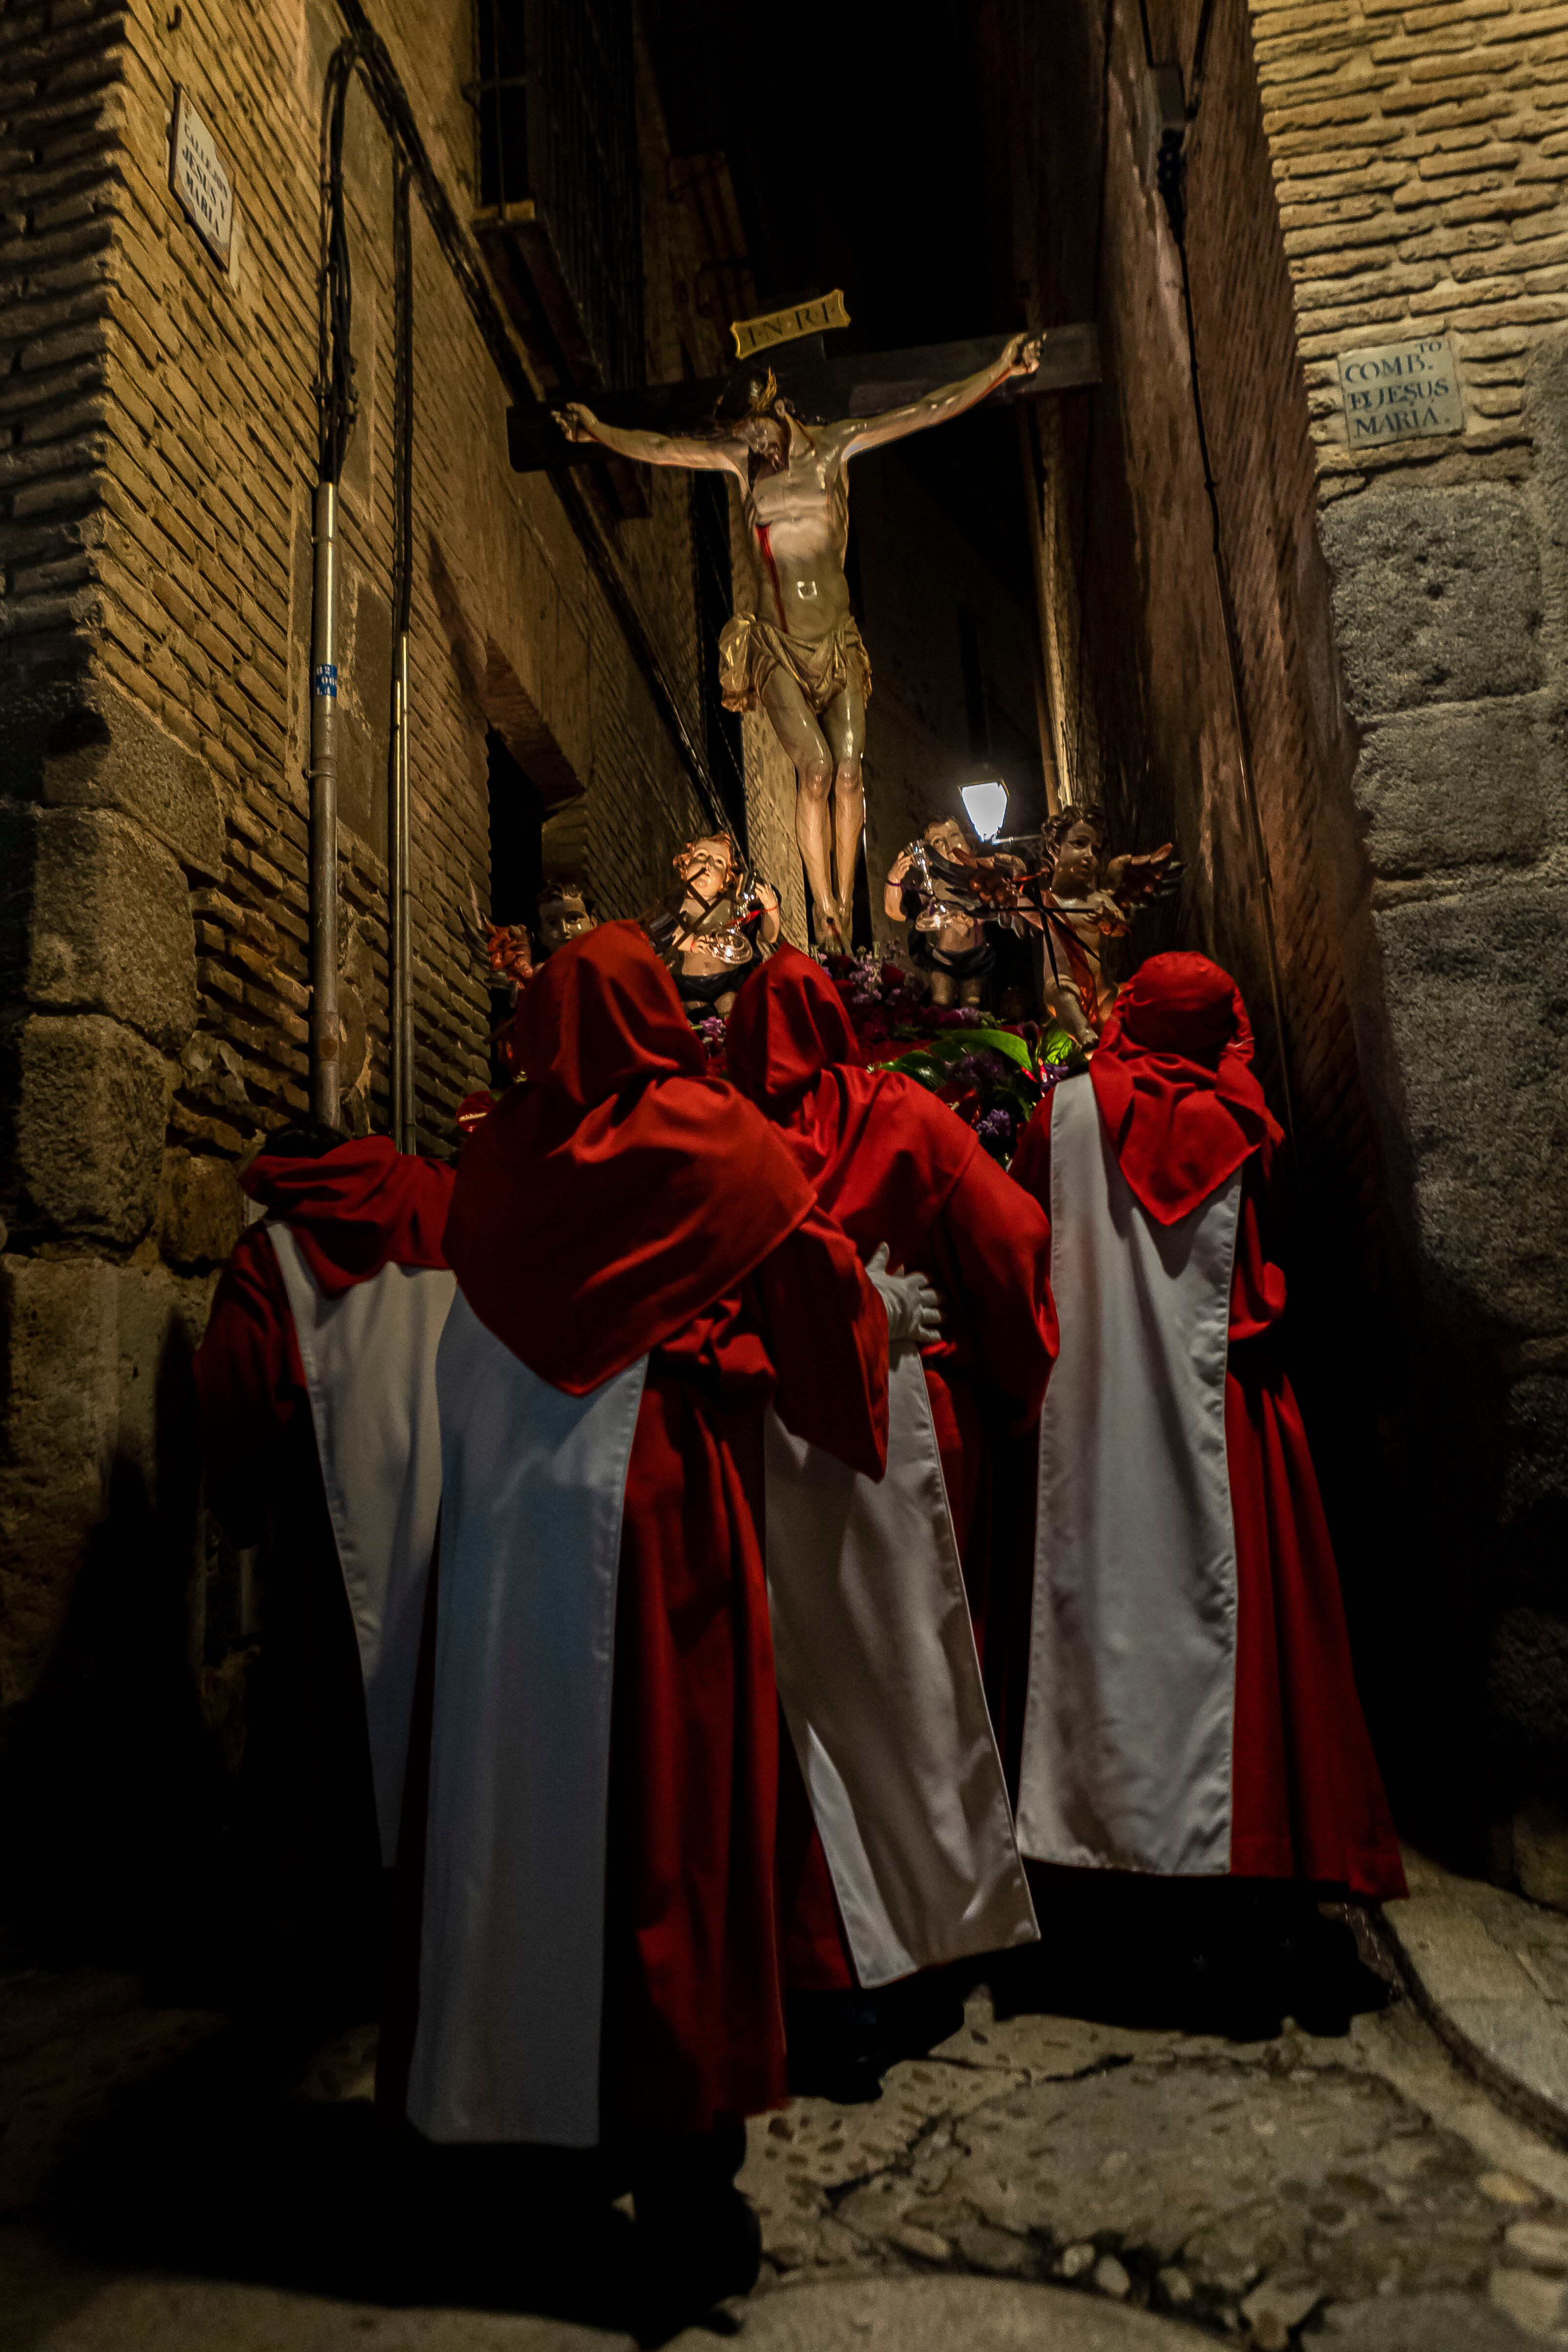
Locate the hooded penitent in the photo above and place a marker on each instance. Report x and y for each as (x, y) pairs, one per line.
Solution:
(356, 1208)
(603, 1204)
(1176, 1085)
(894, 1165)
(881, 1154)
(1191, 1706)
(315, 1380)
(642, 1272)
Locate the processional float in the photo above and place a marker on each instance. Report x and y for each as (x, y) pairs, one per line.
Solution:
(784, 427)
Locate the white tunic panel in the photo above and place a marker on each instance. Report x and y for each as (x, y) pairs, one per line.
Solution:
(512, 1955)
(881, 1689)
(1128, 1725)
(369, 1358)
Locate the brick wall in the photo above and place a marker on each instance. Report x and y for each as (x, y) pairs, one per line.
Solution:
(1419, 155)
(157, 460)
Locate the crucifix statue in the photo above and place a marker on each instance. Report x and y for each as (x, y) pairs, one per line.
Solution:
(798, 655)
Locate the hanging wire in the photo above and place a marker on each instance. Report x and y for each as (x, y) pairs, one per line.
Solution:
(335, 395)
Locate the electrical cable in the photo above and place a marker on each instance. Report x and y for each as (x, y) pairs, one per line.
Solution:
(1148, 35)
(336, 400)
(1200, 57)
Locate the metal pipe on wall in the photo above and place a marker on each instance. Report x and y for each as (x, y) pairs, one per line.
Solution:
(325, 1029)
(400, 887)
(335, 396)
(400, 929)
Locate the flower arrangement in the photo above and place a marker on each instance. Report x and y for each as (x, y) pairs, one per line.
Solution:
(993, 1074)
(711, 1035)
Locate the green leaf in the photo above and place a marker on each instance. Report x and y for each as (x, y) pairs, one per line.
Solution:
(919, 1066)
(997, 1040)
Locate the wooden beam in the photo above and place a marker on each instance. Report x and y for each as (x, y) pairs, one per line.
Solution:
(860, 383)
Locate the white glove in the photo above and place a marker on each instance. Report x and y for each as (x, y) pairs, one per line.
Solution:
(914, 1310)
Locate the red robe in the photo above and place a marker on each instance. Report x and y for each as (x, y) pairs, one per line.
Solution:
(353, 1211)
(889, 1163)
(694, 2016)
(627, 1203)
(1307, 1801)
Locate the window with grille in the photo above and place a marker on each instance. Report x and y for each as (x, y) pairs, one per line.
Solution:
(558, 165)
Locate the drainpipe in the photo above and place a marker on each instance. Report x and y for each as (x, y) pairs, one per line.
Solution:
(404, 1133)
(325, 1028)
(335, 394)
(400, 892)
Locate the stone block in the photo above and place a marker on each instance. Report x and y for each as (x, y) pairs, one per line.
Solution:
(60, 1336)
(101, 1480)
(201, 1209)
(1534, 2303)
(1537, 1422)
(1541, 1864)
(214, 1072)
(1526, 1702)
(95, 916)
(1475, 1102)
(85, 1143)
(87, 745)
(1437, 593)
(1459, 785)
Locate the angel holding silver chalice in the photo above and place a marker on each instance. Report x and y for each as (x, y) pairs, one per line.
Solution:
(798, 655)
(715, 926)
(948, 892)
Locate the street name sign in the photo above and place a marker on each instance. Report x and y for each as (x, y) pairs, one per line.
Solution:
(200, 179)
(1394, 392)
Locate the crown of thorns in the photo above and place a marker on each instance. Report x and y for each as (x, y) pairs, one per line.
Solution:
(751, 393)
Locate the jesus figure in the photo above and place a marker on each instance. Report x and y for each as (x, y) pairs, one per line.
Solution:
(798, 654)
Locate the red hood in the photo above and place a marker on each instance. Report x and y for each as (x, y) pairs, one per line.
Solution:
(359, 1207)
(789, 1025)
(883, 1154)
(601, 1207)
(1174, 1078)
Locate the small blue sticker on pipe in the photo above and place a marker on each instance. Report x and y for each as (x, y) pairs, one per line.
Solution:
(324, 682)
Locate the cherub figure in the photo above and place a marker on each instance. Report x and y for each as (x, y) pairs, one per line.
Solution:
(723, 918)
(564, 913)
(507, 950)
(798, 654)
(947, 891)
(1083, 900)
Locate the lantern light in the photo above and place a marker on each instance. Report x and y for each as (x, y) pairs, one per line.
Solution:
(986, 806)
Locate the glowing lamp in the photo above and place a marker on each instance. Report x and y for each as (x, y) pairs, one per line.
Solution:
(985, 806)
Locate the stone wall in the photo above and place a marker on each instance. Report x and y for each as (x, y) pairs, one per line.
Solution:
(1355, 175)
(157, 459)
(1421, 157)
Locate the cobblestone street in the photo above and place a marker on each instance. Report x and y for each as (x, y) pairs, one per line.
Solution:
(170, 2184)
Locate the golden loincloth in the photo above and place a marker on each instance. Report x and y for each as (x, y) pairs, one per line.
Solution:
(751, 650)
